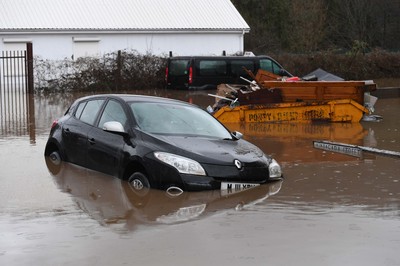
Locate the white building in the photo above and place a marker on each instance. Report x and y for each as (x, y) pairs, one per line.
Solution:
(61, 29)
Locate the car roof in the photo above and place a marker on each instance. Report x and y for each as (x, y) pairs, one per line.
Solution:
(219, 57)
(135, 98)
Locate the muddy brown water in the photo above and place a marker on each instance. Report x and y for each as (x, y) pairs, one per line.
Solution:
(331, 209)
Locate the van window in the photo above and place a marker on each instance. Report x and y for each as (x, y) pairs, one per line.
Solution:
(268, 65)
(212, 68)
(178, 67)
(237, 67)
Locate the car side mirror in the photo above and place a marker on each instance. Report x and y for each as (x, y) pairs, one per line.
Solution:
(237, 135)
(114, 127)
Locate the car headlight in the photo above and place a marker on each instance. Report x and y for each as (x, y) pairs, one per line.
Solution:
(275, 170)
(183, 214)
(182, 164)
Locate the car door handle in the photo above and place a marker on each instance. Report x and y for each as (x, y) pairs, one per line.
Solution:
(67, 131)
(92, 141)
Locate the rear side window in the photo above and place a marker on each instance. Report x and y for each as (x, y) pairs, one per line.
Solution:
(212, 68)
(87, 111)
(178, 67)
(79, 110)
(237, 67)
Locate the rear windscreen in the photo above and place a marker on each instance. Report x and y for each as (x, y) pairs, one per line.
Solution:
(178, 67)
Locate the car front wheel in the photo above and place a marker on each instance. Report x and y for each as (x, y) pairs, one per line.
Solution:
(55, 157)
(53, 162)
(139, 183)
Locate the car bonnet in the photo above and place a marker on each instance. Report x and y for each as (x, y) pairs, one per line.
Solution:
(209, 150)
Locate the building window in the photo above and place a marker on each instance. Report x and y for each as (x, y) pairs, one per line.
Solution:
(84, 47)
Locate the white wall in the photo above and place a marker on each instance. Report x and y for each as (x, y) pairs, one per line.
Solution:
(60, 46)
(48, 46)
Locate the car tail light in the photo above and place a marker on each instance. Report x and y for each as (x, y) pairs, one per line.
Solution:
(166, 75)
(55, 122)
(190, 75)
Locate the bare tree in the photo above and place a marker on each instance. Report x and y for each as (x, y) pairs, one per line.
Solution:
(353, 23)
(301, 25)
(267, 20)
(306, 29)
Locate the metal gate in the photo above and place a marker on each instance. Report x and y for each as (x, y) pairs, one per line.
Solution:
(16, 70)
(16, 92)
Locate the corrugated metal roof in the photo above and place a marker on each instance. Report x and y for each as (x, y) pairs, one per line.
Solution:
(120, 15)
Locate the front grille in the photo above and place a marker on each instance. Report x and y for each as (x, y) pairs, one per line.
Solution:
(233, 174)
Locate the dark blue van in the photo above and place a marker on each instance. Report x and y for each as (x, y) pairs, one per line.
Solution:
(207, 72)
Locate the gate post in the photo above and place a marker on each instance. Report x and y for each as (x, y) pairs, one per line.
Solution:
(29, 67)
(118, 72)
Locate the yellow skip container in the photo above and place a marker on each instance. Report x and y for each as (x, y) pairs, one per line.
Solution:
(345, 110)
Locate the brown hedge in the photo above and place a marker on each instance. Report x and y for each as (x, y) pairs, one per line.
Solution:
(127, 71)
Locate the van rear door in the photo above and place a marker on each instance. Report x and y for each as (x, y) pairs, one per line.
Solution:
(177, 73)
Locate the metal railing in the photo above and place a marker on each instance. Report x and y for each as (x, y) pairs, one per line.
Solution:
(16, 92)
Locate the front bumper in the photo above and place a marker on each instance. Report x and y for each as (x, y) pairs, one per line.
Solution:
(165, 176)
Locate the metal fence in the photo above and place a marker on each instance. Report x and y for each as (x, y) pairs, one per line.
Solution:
(16, 92)
(16, 70)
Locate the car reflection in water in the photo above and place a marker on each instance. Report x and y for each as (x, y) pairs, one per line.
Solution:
(113, 202)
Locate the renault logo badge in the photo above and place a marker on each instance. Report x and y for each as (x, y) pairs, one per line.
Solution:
(238, 164)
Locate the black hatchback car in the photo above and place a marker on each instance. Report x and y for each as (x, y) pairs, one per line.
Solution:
(158, 143)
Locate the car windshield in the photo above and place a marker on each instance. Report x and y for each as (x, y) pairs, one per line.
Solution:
(161, 118)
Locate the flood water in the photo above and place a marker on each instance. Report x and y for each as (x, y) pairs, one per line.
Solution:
(331, 209)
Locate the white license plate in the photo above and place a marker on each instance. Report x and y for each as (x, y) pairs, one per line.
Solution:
(230, 188)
